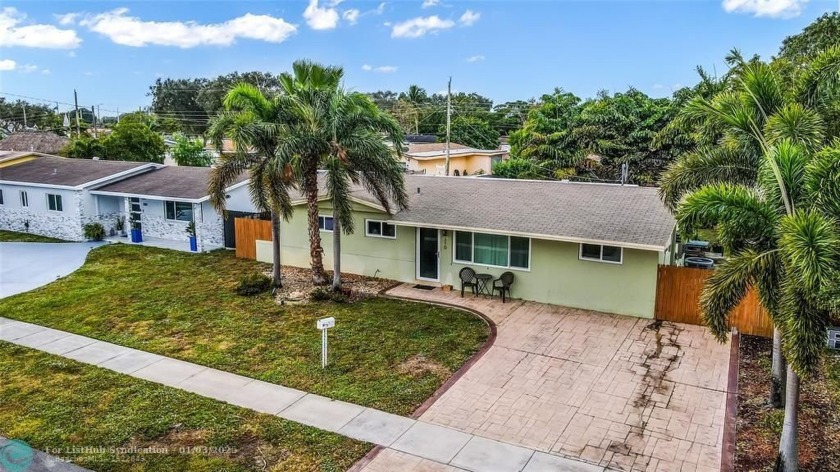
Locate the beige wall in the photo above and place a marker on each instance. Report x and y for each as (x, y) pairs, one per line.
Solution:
(472, 163)
(556, 275)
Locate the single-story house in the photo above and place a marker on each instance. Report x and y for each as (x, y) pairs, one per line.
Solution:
(430, 159)
(56, 196)
(165, 200)
(51, 195)
(584, 245)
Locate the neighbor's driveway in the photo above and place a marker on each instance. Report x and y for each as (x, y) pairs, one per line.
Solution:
(619, 392)
(26, 266)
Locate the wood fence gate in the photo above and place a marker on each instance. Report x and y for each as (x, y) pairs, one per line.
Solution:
(248, 231)
(678, 295)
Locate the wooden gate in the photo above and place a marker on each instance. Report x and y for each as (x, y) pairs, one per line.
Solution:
(248, 231)
(678, 294)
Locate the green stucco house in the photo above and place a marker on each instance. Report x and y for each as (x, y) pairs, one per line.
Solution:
(583, 245)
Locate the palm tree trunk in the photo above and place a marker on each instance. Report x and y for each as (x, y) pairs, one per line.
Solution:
(336, 284)
(777, 375)
(315, 250)
(276, 274)
(788, 460)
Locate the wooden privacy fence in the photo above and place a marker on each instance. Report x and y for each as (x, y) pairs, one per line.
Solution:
(248, 231)
(678, 295)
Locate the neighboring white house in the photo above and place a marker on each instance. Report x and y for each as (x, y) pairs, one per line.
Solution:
(56, 196)
(51, 195)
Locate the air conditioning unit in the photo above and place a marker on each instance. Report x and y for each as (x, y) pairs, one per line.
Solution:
(834, 337)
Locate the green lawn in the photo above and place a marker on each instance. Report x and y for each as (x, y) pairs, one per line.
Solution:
(385, 354)
(13, 236)
(57, 404)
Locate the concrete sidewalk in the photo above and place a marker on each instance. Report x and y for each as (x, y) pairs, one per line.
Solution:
(431, 443)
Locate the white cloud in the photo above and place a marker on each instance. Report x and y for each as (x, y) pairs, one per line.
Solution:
(469, 18)
(319, 18)
(380, 9)
(67, 18)
(14, 33)
(380, 69)
(769, 8)
(28, 68)
(420, 26)
(351, 16)
(132, 31)
(7, 64)
(46, 72)
(430, 3)
(476, 58)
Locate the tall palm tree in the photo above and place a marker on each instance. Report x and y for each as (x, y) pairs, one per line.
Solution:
(757, 110)
(256, 123)
(359, 155)
(793, 214)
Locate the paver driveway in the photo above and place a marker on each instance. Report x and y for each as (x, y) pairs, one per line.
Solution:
(619, 392)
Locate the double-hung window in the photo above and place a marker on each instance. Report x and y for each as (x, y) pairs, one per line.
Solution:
(492, 250)
(599, 253)
(325, 223)
(380, 229)
(24, 198)
(54, 202)
(178, 211)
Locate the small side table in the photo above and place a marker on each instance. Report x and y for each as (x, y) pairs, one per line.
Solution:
(483, 284)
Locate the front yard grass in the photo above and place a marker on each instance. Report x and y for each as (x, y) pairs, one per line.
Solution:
(385, 354)
(64, 406)
(15, 237)
(759, 425)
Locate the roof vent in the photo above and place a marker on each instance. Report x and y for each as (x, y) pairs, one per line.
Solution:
(418, 190)
(95, 158)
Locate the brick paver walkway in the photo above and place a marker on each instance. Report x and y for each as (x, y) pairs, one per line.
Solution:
(619, 392)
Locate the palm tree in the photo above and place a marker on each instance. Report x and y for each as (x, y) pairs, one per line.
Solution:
(326, 123)
(359, 155)
(748, 116)
(793, 258)
(256, 123)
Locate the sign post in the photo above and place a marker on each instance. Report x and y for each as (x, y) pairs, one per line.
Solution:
(324, 324)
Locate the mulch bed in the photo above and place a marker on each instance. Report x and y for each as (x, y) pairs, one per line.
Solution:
(298, 286)
(759, 425)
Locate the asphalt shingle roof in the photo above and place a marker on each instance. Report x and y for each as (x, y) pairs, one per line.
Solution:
(187, 183)
(53, 170)
(625, 215)
(37, 141)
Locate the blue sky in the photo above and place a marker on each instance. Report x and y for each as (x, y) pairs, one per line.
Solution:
(112, 51)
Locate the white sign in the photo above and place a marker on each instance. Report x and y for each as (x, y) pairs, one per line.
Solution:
(325, 323)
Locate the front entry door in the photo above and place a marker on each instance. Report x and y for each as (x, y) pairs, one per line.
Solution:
(428, 250)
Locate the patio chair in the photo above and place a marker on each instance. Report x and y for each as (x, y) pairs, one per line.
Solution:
(468, 279)
(502, 285)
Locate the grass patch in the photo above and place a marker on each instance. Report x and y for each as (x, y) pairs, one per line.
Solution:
(15, 237)
(184, 306)
(58, 404)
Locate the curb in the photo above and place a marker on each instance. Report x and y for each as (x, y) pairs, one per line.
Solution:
(727, 460)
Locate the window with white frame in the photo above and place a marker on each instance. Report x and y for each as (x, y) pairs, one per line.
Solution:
(380, 229)
(492, 250)
(24, 198)
(325, 223)
(54, 202)
(178, 211)
(600, 253)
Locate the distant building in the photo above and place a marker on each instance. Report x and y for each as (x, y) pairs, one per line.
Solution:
(45, 142)
(430, 158)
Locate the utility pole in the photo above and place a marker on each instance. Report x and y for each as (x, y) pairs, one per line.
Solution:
(24, 117)
(118, 114)
(76, 100)
(448, 122)
(93, 112)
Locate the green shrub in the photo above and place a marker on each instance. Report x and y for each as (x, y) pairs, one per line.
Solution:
(322, 295)
(253, 284)
(94, 231)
